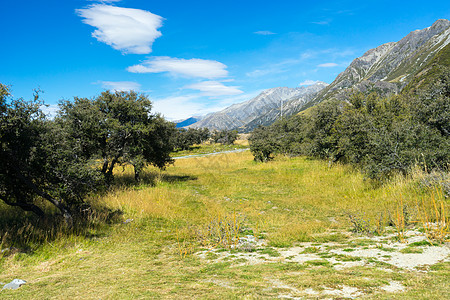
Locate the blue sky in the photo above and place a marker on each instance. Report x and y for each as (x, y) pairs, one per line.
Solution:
(192, 57)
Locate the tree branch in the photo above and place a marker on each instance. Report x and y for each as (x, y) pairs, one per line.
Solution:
(25, 206)
(62, 208)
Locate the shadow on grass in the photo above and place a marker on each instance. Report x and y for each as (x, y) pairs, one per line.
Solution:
(148, 179)
(24, 232)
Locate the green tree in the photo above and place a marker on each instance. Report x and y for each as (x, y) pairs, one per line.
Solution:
(225, 137)
(117, 128)
(36, 163)
(183, 139)
(263, 144)
(318, 128)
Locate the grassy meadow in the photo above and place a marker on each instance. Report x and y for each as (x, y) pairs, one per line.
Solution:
(208, 205)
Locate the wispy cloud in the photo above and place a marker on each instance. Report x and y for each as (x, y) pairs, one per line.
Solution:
(277, 67)
(264, 32)
(196, 68)
(126, 29)
(323, 22)
(105, 1)
(309, 82)
(348, 12)
(328, 65)
(331, 53)
(214, 89)
(121, 85)
(264, 72)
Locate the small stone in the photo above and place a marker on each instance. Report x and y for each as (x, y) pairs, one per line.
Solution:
(128, 221)
(14, 285)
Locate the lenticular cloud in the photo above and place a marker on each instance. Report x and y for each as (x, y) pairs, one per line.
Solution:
(195, 68)
(126, 29)
(214, 88)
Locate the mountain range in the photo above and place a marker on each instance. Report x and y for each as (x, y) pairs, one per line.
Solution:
(386, 69)
(271, 100)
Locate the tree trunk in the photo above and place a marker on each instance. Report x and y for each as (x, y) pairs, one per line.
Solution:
(137, 173)
(109, 176)
(26, 207)
(105, 166)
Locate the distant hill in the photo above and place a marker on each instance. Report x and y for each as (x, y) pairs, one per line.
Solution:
(268, 103)
(187, 122)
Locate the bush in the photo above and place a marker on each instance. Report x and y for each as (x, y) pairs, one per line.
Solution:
(225, 137)
(183, 139)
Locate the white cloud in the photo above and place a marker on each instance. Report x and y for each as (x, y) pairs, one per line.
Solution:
(328, 65)
(308, 82)
(197, 68)
(264, 32)
(214, 88)
(105, 1)
(179, 107)
(50, 110)
(185, 106)
(121, 85)
(126, 29)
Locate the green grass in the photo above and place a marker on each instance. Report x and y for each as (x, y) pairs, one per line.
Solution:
(269, 251)
(411, 250)
(210, 148)
(286, 201)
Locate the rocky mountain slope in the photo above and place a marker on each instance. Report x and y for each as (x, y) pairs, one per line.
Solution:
(386, 69)
(267, 103)
(290, 107)
(430, 72)
(391, 66)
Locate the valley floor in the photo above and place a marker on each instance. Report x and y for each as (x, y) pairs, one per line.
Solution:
(225, 227)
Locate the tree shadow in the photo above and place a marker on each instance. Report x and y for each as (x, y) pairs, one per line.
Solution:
(127, 180)
(24, 232)
(177, 178)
